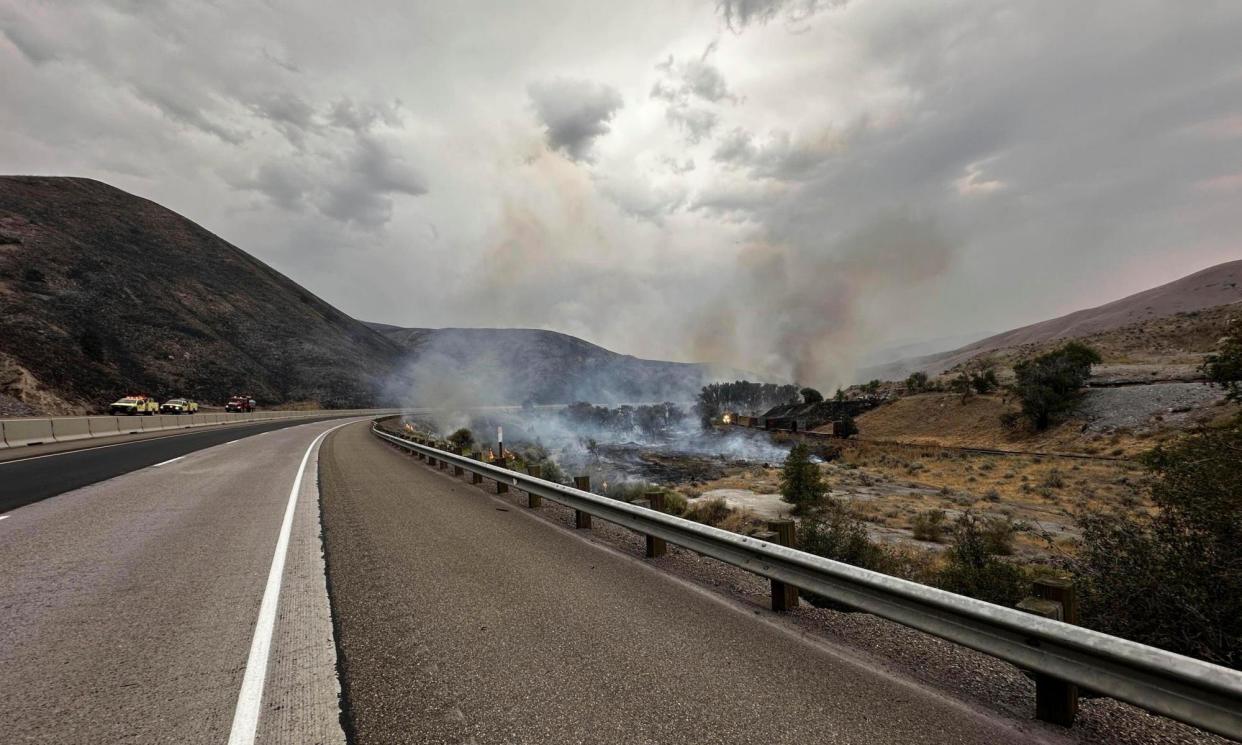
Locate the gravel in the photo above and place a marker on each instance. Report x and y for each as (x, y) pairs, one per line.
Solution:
(1141, 407)
(982, 681)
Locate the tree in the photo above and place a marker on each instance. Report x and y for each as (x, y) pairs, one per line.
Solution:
(847, 427)
(1173, 579)
(1224, 368)
(1050, 385)
(811, 396)
(801, 482)
(462, 438)
(917, 382)
(984, 380)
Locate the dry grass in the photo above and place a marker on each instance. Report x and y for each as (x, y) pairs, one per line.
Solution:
(945, 420)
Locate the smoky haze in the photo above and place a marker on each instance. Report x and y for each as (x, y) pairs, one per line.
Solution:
(776, 186)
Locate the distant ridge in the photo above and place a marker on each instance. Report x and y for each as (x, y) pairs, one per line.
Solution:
(1208, 288)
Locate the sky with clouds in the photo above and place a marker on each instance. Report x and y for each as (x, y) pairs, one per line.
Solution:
(784, 186)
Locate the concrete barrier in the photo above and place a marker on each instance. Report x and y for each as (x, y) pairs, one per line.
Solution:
(18, 432)
(21, 432)
(76, 428)
(129, 424)
(103, 426)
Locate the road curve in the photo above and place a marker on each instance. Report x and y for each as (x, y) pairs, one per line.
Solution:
(461, 619)
(128, 608)
(27, 479)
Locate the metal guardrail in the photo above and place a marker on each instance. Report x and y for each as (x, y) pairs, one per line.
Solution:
(1198, 693)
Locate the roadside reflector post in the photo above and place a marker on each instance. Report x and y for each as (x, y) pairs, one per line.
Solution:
(1056, 700)
(533, 500)
(656, 546)
(476, 478)
(457, 470)
(582, 520)
(784, 596)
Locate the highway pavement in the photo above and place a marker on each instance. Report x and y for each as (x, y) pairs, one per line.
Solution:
(26, 478)
(183, 602)
(464, 619)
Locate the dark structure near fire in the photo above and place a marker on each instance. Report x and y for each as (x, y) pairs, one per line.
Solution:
(803, 417)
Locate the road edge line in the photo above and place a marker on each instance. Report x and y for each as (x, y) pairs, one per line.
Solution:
(250, 697)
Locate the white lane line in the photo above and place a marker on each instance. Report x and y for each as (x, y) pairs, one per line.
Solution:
(246, 716)
(4, 517)
(170, 460)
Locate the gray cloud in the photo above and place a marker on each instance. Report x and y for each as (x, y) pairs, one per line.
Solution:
(1026, 161)
(697, 124)
(574, 112)
(738, 14)
(361, 117)
(780, 157)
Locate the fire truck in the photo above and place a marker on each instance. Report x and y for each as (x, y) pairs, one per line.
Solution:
(240, 404)
(135, 405)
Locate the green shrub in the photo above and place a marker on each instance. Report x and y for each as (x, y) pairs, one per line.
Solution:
(929, 526)
(1173, 579)
(1224, 368)
(708, 511)
(834, 532)
(462, 438)
(973, 568)
(674, 503)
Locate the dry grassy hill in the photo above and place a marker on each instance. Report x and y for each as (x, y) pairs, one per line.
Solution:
(1216, 286)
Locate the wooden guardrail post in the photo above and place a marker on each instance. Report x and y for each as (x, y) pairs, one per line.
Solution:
(533, 500)
(458, 470)
(477, 478)
(656, 546)
(582, 520)
(441, 463)
(1056, 700)
(501, 486)
(784, 596)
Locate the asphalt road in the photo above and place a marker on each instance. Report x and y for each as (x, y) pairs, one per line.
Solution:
(463, 619)
(23, 481)
(131, 609)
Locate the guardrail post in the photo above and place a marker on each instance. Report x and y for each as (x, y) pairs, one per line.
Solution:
(477, 478)
(501, 487)
(1056, 700)
(442, 464)
(784, 596)
(533, 500)
(582, 520)
(656, 546)
(457, 470)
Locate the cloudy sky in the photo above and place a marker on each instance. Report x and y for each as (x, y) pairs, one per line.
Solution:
(786, 186)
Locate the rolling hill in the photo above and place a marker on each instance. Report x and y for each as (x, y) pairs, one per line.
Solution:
(103, 293)
(1210, 288)
(518, 365)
